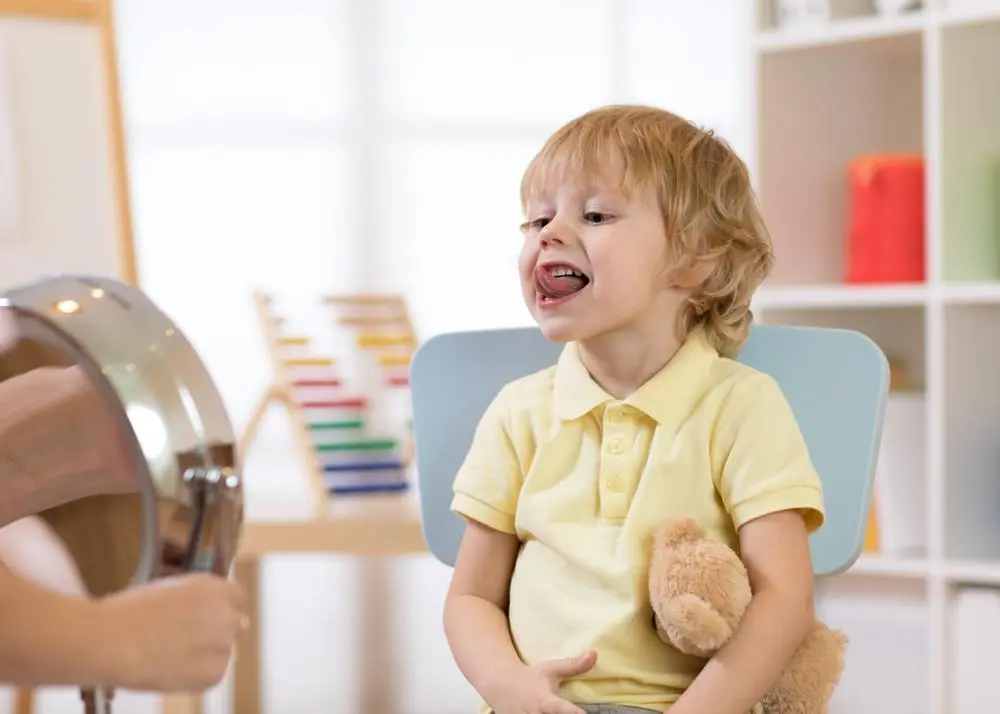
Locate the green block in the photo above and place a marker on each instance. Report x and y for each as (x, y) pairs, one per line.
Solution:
(377, 444)
(346, 424)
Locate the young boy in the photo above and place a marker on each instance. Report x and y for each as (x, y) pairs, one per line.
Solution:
(643, 245)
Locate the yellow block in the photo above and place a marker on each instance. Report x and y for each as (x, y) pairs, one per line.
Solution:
(376, 340)
(293, 341)
(394, 360)
(309, 362)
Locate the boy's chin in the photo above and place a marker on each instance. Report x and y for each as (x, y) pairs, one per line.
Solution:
(561, 330)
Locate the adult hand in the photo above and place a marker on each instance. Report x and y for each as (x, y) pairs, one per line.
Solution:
(173, 635)
(59, 441)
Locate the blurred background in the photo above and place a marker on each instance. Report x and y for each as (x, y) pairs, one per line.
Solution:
(366, 148)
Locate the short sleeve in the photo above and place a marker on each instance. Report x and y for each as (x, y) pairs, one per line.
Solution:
(764, 462)
(487, 485)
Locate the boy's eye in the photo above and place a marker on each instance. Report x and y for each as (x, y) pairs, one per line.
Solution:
(594, 218)
(536, 224)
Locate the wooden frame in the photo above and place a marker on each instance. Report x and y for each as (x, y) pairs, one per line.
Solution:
(99, 14)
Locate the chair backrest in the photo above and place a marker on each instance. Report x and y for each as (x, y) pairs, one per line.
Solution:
(836, 382)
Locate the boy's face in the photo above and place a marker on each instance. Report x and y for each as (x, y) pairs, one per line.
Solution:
(593, 261)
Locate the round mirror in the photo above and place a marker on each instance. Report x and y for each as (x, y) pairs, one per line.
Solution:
(103, 373)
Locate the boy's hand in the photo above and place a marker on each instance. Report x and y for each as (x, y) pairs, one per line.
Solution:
(173, 635)
(534, 689)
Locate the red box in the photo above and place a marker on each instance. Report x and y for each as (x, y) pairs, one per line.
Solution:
(885, 241)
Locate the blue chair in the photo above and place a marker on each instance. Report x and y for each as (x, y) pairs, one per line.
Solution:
(836, 382)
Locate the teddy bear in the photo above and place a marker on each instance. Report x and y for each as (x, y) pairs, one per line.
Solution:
(699, 590)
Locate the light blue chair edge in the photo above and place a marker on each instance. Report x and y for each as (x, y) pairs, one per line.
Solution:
(442, 538)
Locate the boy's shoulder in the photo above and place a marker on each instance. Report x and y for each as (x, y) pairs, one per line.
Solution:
(731, 380)
(529, 393)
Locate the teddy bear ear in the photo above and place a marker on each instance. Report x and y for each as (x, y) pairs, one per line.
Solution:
(677, 531)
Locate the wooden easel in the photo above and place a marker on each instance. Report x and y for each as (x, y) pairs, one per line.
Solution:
(96, 15)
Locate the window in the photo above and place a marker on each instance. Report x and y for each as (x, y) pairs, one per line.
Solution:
(336, 145)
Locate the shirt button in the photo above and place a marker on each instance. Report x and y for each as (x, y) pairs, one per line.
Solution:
(615, 483)
(616, 448)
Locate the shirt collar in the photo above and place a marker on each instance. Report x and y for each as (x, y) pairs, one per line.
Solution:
(661, 398)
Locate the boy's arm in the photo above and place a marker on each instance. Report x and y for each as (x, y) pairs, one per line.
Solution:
(774, 496)
(775, 549)
(485, 494)
(475, 610)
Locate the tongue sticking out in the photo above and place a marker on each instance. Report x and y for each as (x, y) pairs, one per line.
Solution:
(558, 286)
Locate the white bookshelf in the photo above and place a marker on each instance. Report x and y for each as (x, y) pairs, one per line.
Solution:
(923, 82)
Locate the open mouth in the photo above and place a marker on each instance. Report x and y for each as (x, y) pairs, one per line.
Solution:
(558, 281)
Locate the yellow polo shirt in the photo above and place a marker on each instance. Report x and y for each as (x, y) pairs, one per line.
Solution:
(584, 480)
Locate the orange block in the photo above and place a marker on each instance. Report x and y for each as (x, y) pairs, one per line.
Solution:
(394, 360)
(871, 534)
(368, 339)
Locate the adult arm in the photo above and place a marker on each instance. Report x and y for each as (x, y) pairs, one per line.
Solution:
(51, 639)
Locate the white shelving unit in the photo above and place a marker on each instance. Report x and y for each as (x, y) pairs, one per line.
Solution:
(927, 82)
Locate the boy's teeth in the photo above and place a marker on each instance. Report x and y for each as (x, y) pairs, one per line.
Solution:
(561, 272)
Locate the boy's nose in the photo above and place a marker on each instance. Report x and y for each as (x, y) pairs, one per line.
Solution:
(554, 233)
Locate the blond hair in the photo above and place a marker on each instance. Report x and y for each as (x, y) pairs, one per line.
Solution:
(713, 222)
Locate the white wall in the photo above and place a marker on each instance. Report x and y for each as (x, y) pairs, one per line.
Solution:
(314, 145)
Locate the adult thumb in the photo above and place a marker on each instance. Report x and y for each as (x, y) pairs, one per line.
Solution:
(568, 667)
(8, 330)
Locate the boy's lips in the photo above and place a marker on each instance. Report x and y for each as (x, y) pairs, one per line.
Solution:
(559, 279)
(557, 282)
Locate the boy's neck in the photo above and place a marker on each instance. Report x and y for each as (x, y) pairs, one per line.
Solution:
(623, 361)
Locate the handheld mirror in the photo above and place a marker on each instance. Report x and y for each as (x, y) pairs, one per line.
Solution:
(183, 509)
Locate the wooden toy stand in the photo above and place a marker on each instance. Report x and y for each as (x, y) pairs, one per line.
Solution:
(330, 427)
(372, 526)
(280, 391)
(384, 328)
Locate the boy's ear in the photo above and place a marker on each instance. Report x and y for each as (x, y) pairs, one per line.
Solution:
(690, 277)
